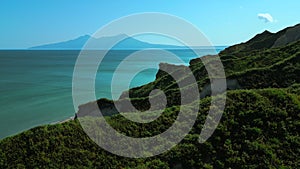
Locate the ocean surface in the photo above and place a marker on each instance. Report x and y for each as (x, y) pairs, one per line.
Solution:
(36, 86)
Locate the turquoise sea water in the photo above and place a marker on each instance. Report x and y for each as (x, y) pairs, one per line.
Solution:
(36, 86)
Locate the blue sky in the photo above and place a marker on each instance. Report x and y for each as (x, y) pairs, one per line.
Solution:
(34, 22)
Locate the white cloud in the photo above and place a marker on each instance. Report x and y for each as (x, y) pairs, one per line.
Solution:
(266, 17)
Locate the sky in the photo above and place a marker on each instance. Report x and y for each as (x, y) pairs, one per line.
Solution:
(30, 23)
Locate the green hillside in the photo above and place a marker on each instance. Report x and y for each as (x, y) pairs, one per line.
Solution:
(269, 67)
(259, 127)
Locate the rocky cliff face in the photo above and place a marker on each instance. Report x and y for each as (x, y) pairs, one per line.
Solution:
(291, 35)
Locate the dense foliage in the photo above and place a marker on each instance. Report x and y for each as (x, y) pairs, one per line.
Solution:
(259, 128)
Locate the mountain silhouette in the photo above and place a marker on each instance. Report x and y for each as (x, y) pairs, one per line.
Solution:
(126, 42)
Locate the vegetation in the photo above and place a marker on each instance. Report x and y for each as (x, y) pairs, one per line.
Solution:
(259, 127)
(273, 67)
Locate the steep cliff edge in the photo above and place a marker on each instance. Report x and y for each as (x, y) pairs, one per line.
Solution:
(255, 64)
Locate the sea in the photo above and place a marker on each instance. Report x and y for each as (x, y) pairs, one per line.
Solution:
(36, 85)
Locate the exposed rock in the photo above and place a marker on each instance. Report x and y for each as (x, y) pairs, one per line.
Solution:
(291, 35)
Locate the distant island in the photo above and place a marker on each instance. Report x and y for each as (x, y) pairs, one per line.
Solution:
(95, 43)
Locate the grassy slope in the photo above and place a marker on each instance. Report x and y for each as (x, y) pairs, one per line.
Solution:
(258, 129)
(276, 67)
